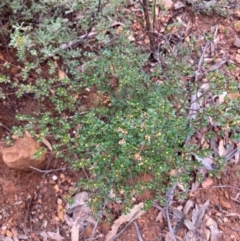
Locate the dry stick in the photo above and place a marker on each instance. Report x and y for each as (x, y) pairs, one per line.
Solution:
(80, 38)
(199, 67)
(95, 227)
(144, 4)
(169, 197)
(84, 169)
(1, 124)
(232, 154)
(48, 171)
(196, 79)
(220, 186)
(234, 199)
(214, 38)
(138, 232)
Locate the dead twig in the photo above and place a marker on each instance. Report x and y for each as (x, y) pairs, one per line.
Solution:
(169, 198)
(214, 40)
(232, 154)
(138, 232)
(1, 124)
(235, 200)
(77, 41)
(149, 27)
(95, 226)
(220, 186)
(48, 171)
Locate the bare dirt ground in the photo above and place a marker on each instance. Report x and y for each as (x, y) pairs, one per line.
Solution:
(33, 202)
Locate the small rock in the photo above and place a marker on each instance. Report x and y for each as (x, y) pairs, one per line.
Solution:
(54, 177)
(207, 183)
(20, 155)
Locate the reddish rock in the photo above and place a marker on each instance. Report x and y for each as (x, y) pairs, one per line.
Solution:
(20, 155)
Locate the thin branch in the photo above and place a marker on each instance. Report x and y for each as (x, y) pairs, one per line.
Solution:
(1, 124)
(138, 232)
(79, 40)
(149, 27)
(169, 198)
(48, 171)
(95, 227)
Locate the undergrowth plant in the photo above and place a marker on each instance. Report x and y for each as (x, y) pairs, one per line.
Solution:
(137, 123)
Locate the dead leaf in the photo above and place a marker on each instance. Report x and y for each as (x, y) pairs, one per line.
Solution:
(47, 144)
(60, 212)
(218, 65)
(225, 203)
(5, 239)
(226, 152)
(189, 225)
(190, 236)
(168, 236)
(159, 217)
(78, 214)
(233, 96)
(177, 215)
(188, 205)
(237, 42)
(237, 157)
(179, 5)
(194, 186)
(27, 134)
(199, 213)
(207, 183)
(237, 58)
(213, 228)
(61, 74)
(131, 38)
(207, 162)
(55, 236)
(134, 213)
